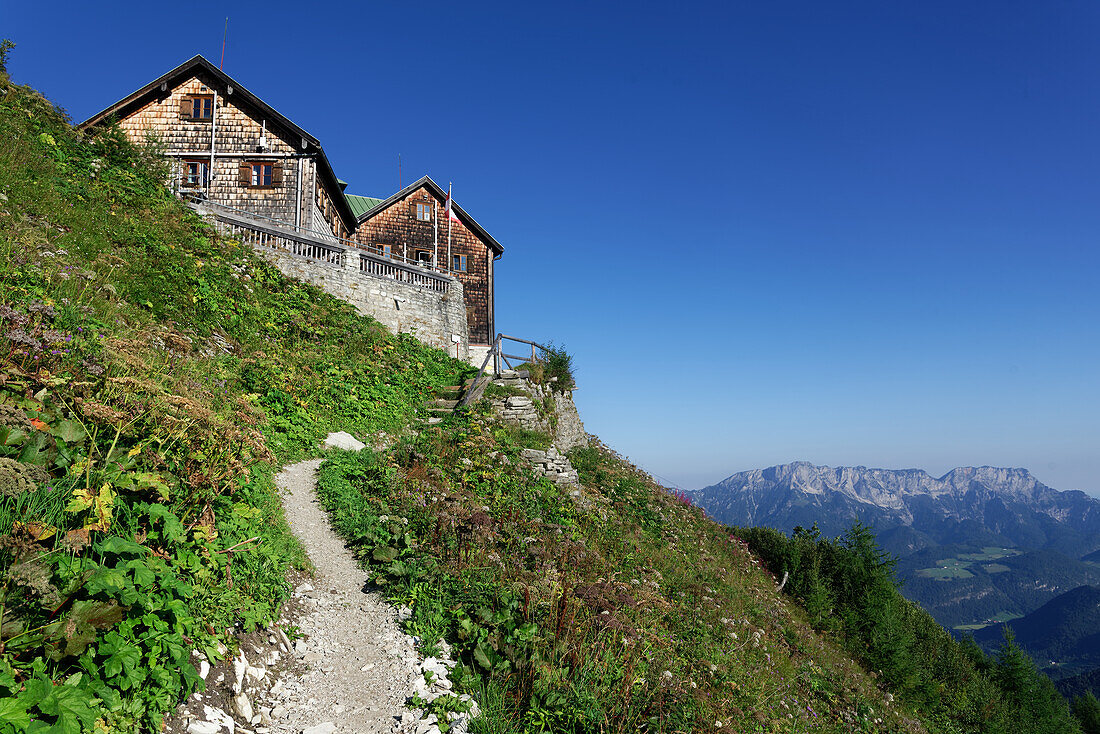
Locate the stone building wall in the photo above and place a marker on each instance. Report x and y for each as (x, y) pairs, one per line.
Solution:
(434, 318)
(398, 227)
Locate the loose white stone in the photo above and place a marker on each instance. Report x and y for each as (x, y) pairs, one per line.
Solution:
(243, 707)
(220, 717)
(344, 441)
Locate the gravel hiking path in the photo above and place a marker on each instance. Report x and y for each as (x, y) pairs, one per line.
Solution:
(361, 665)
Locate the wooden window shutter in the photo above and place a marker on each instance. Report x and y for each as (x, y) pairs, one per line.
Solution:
(412, 209)
(277, 173)
(244, 176)
(187, 107)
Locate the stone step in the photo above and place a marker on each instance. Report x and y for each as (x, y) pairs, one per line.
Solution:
(439, 409)
(451, 404)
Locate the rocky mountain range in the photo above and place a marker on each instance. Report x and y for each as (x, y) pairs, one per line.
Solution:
(909, 508)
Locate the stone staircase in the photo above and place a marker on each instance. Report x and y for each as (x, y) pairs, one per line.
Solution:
(450, 398)
(443, 404)
(434, 411)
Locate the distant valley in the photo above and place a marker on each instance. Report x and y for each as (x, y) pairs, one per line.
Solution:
(1063, 635)
(977, 546)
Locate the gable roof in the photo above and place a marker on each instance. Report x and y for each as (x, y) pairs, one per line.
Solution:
(278, 122)
(361, 204)
(439, 193)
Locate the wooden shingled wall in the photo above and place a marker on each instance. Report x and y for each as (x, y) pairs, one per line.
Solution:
(398, 227)
(170, 118)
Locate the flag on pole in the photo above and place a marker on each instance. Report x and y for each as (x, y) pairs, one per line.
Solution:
(450, 218)
(450, 212)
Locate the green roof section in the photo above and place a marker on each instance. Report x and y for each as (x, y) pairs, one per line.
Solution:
(361, 204)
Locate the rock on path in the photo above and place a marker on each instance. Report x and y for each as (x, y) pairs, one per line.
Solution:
(362, 666)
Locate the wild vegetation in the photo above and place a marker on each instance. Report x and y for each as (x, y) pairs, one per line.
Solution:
(848, 587)
(554, 368)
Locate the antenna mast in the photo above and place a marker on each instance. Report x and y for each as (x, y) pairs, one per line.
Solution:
(225, 35)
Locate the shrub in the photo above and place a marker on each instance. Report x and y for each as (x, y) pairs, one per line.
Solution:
(554, 367)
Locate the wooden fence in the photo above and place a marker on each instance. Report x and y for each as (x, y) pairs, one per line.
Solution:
(495, 357)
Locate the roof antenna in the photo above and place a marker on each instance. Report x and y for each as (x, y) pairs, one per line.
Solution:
(398, 171)
(225, 35)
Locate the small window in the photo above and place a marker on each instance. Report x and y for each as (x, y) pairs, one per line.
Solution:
(261, 174)
(424, 257)
(196, 173)
(458, 263)
(423, 211)
(202, 107)
(386, 250)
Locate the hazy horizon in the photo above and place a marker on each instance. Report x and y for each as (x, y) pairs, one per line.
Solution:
(936, 474)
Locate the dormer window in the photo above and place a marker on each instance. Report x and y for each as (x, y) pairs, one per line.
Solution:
(197, 107)
(423, 211)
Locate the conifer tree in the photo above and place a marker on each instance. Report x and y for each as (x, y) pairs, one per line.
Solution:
(1087, 711)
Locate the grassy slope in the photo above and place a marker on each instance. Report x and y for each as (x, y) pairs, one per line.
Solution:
(619, 609)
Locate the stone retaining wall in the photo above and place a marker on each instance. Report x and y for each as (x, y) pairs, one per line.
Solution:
(553, 465)
(436, 319)
(542, 409)
(566, 427)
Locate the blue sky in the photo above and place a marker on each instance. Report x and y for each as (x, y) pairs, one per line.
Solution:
(848, 233)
